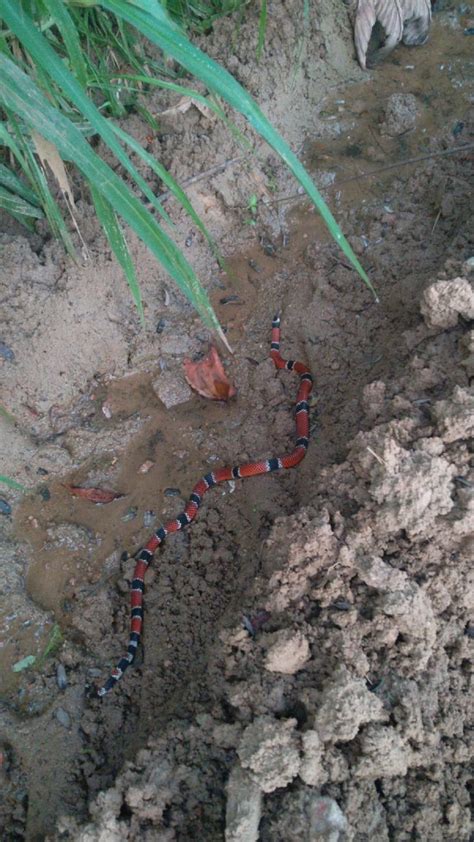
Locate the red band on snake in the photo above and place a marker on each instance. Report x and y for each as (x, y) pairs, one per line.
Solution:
(249, 469)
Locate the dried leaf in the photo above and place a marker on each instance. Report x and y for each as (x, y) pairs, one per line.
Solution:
(208, 378)
(48, 154)
(185, 103)
(95, 495)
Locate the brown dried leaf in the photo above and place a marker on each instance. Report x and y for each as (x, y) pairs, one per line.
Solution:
(49, 155)
(208, 378)
(94, 495)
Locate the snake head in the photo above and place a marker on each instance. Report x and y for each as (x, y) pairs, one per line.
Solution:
(400, 20)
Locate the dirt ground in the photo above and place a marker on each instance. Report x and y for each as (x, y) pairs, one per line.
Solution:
(305, 667)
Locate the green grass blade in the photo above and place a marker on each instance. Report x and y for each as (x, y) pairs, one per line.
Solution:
(153, 22)
(7, 415)
(113, 231)
(38, 178)
(262, 28)
(17, 206)
(182, 90)
(20, 95)
(169, 181)
(12, 483)
(64, 22)
(11, 181)
(50, 63)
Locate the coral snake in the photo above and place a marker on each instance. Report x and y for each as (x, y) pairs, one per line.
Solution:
(249, 469)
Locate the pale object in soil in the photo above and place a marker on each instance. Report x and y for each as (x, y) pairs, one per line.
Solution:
(171, 389)
(402, 20)
(455, 417)
(412, 488)
(346, 704)
(401, 113)
(288, 653)
(305, 816)
(269, 750)
(244, 807)
(444, 301)
(384, 754)
(311, 769)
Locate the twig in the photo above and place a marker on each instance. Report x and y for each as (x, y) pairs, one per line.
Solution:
(206, 174)
(402, 163)
(378, 458)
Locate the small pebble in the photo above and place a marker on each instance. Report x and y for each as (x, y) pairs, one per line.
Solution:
(42, 472)
(148, 518)
(172, 492)
(143, 469)
(130, 514)
(342, 605)
(268, 247)
(63, 717)
(254, 265)
(6, 352)
(61, 677)
(254, 622)
(107, 411)
(45, 493)
(5, 508)
(161, 326)
(230, 299)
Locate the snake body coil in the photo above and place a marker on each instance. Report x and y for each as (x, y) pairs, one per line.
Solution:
(249, 469)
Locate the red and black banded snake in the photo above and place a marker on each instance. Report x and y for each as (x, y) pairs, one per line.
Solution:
(249, 469)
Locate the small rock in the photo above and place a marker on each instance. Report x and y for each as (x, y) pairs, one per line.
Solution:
(172, 492)
(444, 301)
(45, 493)
(288, 653)
(269, 750)
(400, 114)
(244, 807)
(172, 389)
(230, 299)
(145, 467)
(345, 705)
(61, 678)
(161, 326)
(63, 717)
(327, 816)
(148, 518)
(5, 508)
(312, 771)
(6, 353)
(130, 514)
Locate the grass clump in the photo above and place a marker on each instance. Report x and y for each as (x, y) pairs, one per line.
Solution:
(67, 71)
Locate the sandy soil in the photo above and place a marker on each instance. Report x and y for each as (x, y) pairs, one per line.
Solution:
(346, 715)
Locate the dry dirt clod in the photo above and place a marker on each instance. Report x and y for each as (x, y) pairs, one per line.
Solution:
(269, 750)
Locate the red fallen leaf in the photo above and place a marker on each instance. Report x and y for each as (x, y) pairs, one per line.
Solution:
(95, 495)
(207, 376)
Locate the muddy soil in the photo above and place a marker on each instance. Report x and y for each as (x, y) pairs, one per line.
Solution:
(304, 672)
